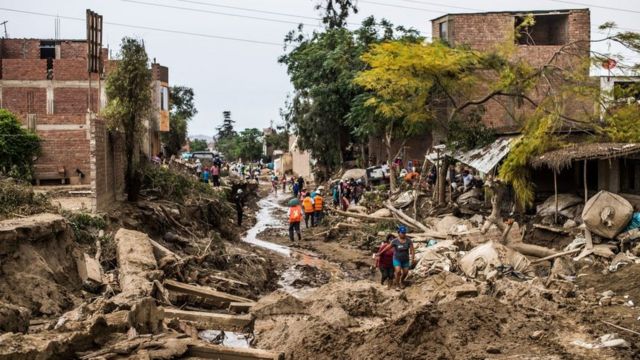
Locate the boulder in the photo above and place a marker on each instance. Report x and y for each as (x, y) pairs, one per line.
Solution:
(14, 318)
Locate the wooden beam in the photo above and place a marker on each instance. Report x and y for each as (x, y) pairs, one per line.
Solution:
(228, 353)
(220, 298)
(207, 320)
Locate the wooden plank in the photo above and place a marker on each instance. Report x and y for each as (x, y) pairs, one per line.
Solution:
(227, 353)
(230, 281)
(240, 307)
(207, 320)
(220, 298)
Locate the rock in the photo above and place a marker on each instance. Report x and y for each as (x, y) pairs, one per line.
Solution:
(605, 301)
(278, 303)
(608, 293)
(477, 220)
(14, 318)
(357, 209)
(536, 335)
(569, 224)
(381, 213)
(493, 350)
(174, 238)
(465, 290)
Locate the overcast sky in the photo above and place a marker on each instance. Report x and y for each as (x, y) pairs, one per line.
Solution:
(245, 77)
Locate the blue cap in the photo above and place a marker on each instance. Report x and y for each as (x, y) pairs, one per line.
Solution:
(402, 229)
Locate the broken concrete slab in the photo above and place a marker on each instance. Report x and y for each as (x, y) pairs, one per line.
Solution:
(137, 263)
(219, 298)
(89, 269)
(207, 320)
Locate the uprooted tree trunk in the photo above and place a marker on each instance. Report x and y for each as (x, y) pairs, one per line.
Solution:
(497, 188)
(442, 181)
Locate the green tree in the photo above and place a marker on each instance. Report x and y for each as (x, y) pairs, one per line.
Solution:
(198, 145)
(182, 109)
(226, 130)
(18, 147)
(128, 90)
(322, 67)
(249, 144)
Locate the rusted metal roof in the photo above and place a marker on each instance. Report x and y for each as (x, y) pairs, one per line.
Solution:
(483, 159)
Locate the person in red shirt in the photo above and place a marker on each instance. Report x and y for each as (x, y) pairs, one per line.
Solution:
(385, 261)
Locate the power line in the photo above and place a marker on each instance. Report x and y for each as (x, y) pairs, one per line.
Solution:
(401, 6)
(210, 36)
(217, 13)
(597, 6)
(248, 9)
(441, 5)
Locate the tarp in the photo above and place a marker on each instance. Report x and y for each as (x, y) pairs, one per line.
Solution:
(483, 159)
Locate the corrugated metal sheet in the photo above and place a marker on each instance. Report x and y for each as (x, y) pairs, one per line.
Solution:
(483, 159)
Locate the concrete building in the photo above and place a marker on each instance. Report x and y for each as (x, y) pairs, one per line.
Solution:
(301, 161)
(553, 30)
(46, 84)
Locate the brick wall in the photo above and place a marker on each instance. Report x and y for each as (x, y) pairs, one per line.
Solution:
(73, 50)
(16, 100)
(73, 100)
(488, 31)
(68, 148)
(108, 165)
(71, 69)
(24, 69)
(55, 119)
(20, 49)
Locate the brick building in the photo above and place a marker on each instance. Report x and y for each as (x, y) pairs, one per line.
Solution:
(46, 84)
(552, 31)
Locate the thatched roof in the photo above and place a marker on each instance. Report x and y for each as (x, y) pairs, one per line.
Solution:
(562, 158)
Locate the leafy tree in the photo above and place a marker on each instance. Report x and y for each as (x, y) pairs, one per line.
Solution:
(198, 145)
(18, 147)
(278, 139)
(181, 110)
(226, 130)
(128, 91)
(249, 144)
(322, 67)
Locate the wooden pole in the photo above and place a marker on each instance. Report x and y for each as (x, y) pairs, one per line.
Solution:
(555, 190)
(584, 180)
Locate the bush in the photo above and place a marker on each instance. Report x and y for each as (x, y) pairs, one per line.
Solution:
(85, 226)
(18, 147)
(172, 185)
(18, 198)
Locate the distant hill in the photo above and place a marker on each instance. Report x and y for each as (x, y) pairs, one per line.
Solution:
(201, 137)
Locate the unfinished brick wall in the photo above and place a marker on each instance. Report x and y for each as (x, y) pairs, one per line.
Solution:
(69, 148)
(73, 50)
(16, 100)
(71, 69)
(489, 31)
(69, 101)
(24, 69)
(19, 49)
(108, 165)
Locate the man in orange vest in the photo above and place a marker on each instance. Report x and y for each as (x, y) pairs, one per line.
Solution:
(295, 216)
(318, 207)
(307, 205)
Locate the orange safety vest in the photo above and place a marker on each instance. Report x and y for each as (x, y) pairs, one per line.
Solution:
(295, 214)
(319, 202)
(308, 205)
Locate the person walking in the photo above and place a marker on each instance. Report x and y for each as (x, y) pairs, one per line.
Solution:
(295, 189)
(215, 175)
(295, 216)
(318, 207)
(308, 206)
(300, 183)
(205, 176)
(198, 168)
(384, 262)
(239, 202)
(403, 255)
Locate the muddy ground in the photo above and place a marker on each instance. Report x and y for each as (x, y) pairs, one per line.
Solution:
(443, 316)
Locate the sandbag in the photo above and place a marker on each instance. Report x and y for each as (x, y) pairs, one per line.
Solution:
(607, 214)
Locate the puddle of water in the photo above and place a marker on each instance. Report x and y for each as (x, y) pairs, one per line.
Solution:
(226, 338)
(266, 220)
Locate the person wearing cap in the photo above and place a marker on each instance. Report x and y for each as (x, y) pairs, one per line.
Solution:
(238, 199)
(403, 255)
(318, 206)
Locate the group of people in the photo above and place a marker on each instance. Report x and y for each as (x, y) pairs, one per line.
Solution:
(394, 258)
(311, 209)
(205, 173)
(347, 192)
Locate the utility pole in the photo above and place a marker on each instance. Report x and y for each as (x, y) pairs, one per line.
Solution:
(4, 23)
